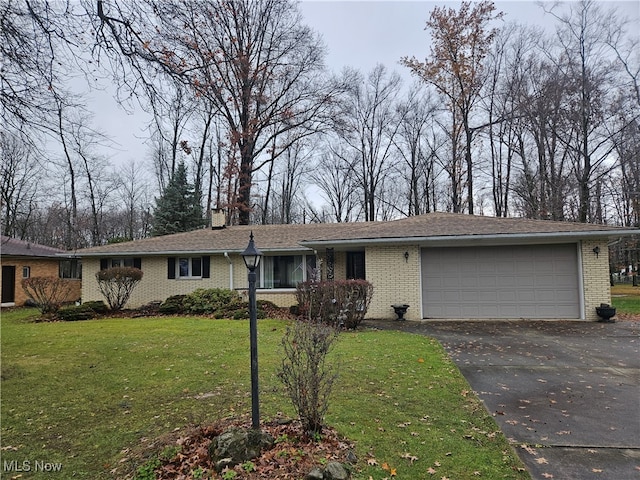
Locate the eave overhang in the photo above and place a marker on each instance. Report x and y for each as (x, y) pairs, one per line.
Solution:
(470, 240)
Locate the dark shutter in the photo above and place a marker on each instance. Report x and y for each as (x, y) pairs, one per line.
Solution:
(137, 263)
(171, 268)
(206, 267)
(104, 263)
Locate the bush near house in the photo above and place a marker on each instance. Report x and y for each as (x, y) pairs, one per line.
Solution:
(211, 300)
(218, 303)
(76, 312)
(172, 305)
(340, 303)
(117, 283)
(48, 293)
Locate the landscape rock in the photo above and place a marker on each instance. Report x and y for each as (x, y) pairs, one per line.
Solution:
(237, 446)
(335, 471)
(315, 474)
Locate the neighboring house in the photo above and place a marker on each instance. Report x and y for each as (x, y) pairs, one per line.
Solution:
(22, 260)
(443, 265)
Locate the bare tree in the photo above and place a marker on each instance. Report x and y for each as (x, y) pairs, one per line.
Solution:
(171, 108)
(368, 125)
(20, 176)
(414, 144)
(136, 200)
(587, 66)
(460, 42)
(38, 46)
(254, 60)
(337, 185)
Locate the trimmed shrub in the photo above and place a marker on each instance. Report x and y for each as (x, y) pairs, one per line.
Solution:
(117, 283)
(211, 300)
(97, 306)
(76, 312)
(339, 303)
(173, 305)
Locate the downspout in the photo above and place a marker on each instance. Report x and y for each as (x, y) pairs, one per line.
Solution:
(230, 262)
(583, 300)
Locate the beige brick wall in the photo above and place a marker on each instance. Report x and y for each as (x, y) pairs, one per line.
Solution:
(39, 268)
(155, 285)
(394, 279)
(595, 276)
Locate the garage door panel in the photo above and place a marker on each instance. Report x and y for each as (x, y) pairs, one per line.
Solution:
(489, 281)
(501, 282)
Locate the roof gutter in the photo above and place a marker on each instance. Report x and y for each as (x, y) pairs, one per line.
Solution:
(302, 249)
(473, 239)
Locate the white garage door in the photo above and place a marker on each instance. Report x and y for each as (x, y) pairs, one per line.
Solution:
(539, 281)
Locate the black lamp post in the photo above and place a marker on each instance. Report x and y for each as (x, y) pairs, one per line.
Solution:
(251, 257)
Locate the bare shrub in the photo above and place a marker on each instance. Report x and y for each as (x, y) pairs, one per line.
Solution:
(307, 373)
(117, 283)
(49, 293)
(341, 303)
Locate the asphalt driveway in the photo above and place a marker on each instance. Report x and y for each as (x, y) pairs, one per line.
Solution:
(566, 394)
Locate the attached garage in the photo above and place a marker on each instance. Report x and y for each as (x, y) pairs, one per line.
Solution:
(509, 281)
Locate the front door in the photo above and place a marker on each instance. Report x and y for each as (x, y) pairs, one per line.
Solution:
(8, 284)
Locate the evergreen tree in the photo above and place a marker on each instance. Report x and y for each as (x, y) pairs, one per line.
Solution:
(178, 209)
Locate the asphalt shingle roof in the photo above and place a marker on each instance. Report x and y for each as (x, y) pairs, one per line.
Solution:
(291, 237)
(19, 248)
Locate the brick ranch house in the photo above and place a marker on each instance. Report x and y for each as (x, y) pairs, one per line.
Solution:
(22, 260)
(443, 265)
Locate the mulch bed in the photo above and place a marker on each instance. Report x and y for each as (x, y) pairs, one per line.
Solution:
(293, 455)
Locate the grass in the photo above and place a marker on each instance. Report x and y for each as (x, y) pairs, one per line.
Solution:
(626, 298)
(86, 394)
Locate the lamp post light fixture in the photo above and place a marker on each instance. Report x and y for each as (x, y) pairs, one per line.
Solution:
(251, 257)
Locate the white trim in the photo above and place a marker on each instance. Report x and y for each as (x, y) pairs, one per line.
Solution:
(421, 293)
(582, 298)
(190, 276)
(474, 240)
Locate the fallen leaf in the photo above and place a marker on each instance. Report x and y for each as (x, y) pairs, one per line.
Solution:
(596, 470)
(393, 472)
(431, 471)
(372, 461)
(385, 467)
(408, 456)
(542, 461)
(547, 475)
(421, 360)
(437, 464)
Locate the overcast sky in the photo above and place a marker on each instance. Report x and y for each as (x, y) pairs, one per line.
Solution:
(359, 34)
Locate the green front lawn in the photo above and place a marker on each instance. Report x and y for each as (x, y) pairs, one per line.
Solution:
(81, 396)
(626, 299)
